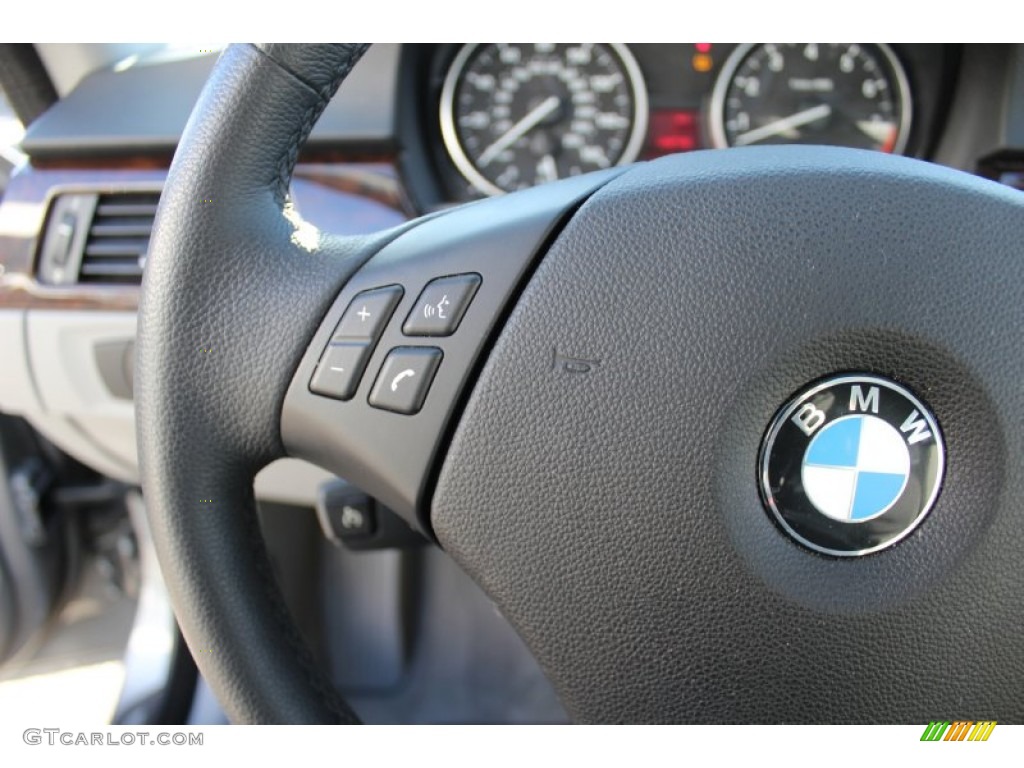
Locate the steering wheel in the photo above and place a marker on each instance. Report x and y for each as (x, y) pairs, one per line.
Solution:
(573, 389)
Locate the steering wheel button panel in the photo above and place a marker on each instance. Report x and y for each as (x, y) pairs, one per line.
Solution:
(479, 263)
(340, 369)
(440, 307)
(404, 379)
(368, 313)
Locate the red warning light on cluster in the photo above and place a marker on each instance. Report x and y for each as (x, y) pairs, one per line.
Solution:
(673, 130)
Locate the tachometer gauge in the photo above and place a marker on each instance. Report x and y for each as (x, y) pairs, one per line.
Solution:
(516, 115)
(845, 94)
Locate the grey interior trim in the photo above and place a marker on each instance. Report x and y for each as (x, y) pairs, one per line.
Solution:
(290, 481)
(69, 436)
(68, 63)
(61, 352)
(83, 417)
(978, 113)
(92, 117)
(1015, 95)
(150, 653)
(75, 409)
(17, 394)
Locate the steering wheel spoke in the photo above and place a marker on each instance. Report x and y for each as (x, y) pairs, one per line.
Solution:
(383, 378)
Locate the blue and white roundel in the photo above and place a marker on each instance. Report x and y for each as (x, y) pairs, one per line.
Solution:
(855, 468)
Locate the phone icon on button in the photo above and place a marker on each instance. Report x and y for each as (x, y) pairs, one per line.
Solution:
(406, 374)
(404, 378)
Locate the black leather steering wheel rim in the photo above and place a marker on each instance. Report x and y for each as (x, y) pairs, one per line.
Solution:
(759, 271)
(223, 262)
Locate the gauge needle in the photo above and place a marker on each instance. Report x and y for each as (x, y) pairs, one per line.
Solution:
(534, 116)
(876, 130)
(547, 169)
(783, 125)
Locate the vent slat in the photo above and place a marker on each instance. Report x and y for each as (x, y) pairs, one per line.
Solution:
(113, 269)
(126, 209)
(115, 248)
(103, 248)
(121, 228)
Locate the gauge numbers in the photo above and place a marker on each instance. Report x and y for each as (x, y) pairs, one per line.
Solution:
(844, 94)
(516, 115)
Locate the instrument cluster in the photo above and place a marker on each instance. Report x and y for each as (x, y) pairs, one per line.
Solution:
(511, 115)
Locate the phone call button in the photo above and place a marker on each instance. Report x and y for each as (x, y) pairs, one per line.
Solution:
(404, 379)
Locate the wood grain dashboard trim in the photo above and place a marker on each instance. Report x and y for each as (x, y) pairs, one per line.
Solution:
(347, 198)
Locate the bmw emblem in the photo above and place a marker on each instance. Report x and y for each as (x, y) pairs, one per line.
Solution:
(852, 465)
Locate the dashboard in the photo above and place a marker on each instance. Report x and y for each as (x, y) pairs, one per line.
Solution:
(421, 127)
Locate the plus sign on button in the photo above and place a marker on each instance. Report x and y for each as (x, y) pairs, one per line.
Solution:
(367, 313)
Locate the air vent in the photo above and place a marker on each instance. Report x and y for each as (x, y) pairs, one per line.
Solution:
(97, 238)
(118, 238)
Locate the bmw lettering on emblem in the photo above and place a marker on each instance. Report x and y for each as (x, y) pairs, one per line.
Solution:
(852, 465)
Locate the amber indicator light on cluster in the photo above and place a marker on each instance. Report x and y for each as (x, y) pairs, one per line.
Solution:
(702, 61)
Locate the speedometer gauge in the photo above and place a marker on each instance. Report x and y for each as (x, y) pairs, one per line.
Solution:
(845, 94)
(516, 115)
